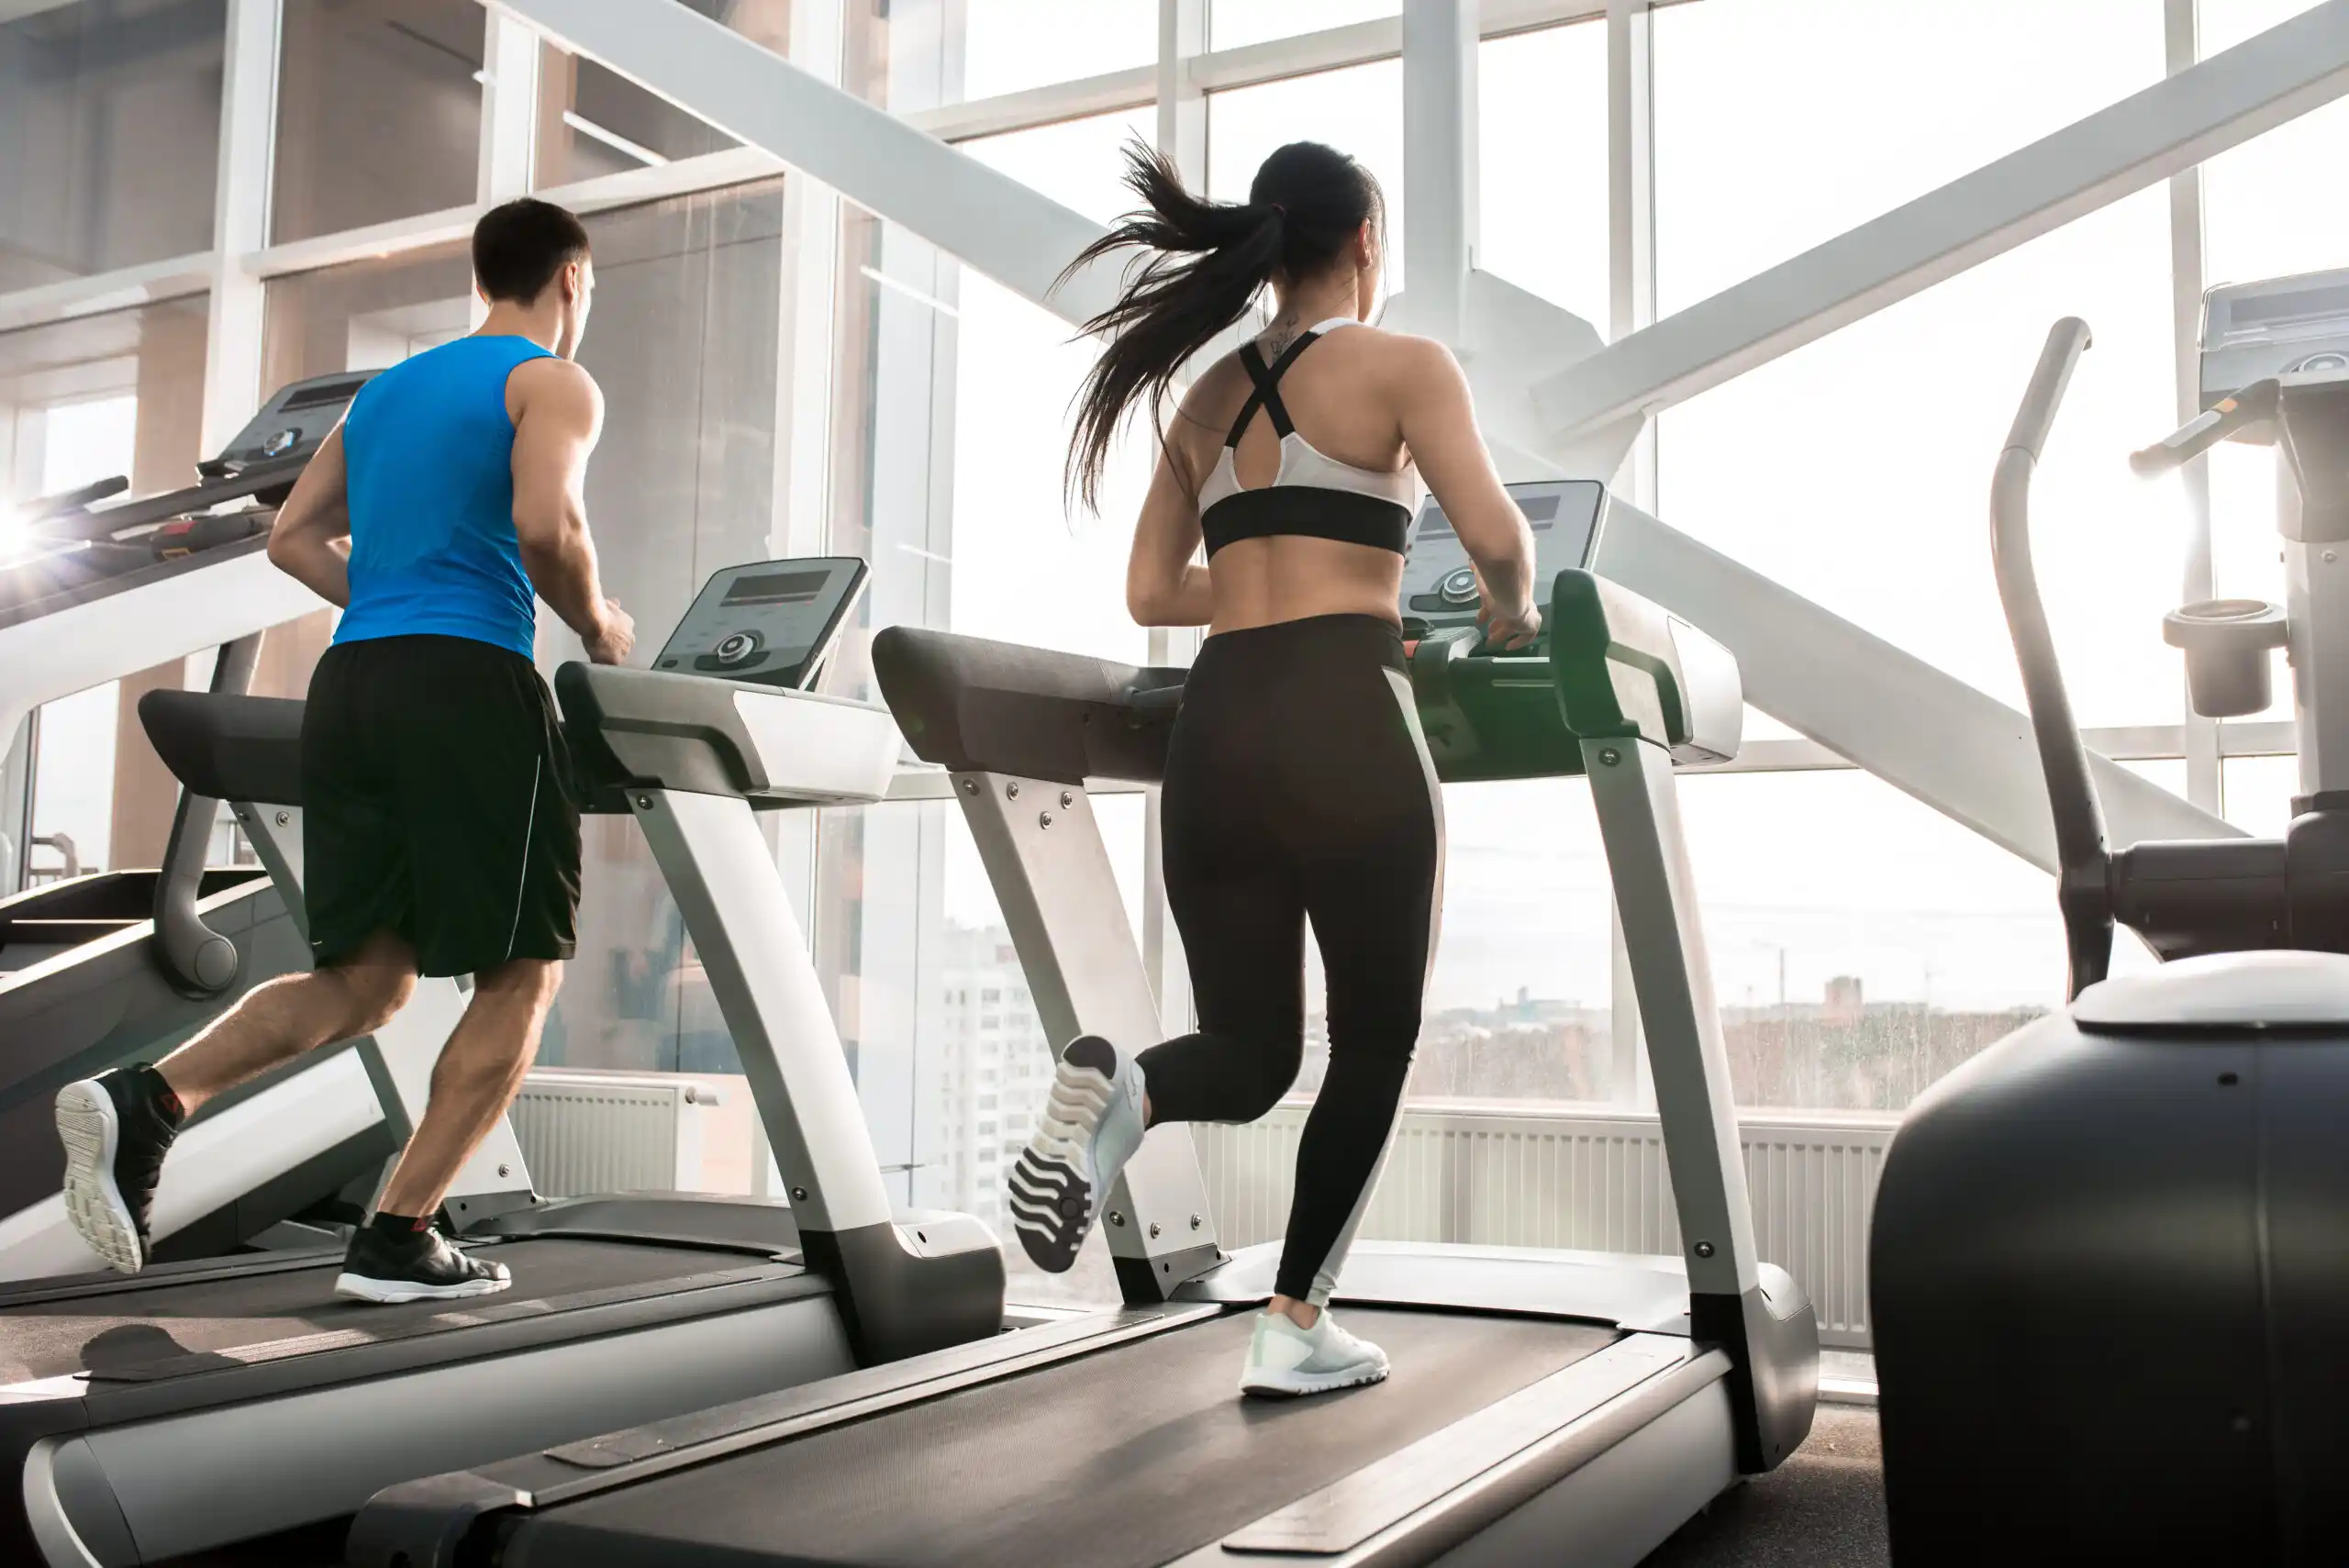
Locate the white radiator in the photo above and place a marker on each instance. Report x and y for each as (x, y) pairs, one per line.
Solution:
(612, 1132)
(1582, 1176)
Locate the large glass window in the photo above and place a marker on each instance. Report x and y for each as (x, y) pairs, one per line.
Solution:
(120, 393)
(2260, 222)
(908, 55)
(1358, 111)
(1853, 470)
(109, 134)
(1031, 565)
(378, 112)
(1518, 1007)
(594, 121)
(1541, 210)
(1232, 23)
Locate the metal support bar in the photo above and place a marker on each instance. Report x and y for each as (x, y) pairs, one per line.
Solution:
(1647, 860)
(1051, 872)
(510, 110)
(232, 351)
(192, 953)
(1440, 161)
(721, 872)
(2276, 76)
(1183, 137)
(2182, 49)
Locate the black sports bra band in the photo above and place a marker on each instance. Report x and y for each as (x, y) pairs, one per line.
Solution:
(1267, 394)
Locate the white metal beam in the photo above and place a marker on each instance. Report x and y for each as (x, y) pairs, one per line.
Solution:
(1963, 752)
(509, 111)
(2143, 139)
(1440, 161)
(232, 367)
(2182, 48)
(981, 215)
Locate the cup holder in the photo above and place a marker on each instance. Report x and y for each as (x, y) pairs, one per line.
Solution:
(2227, 641)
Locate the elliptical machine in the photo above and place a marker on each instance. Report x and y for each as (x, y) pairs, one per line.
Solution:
(2110, 1254)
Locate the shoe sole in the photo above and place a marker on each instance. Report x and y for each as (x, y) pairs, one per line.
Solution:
(392, 1292)
(1051, 1185)
(1297, 1385)
(88, 1126)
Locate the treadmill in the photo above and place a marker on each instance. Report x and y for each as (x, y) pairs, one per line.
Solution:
(124, 965)
(1572, 1407)
(203, 1405)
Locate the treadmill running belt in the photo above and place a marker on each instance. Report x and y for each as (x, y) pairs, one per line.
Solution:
(134, 1328)
(1131, 1456)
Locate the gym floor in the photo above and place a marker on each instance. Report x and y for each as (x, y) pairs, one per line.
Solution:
(1822, 1508)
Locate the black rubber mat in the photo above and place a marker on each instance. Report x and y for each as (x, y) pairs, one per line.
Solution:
(1822, 1508)
(142, 1328)
(1130, 1456)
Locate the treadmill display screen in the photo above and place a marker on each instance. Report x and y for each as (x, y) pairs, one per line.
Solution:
(1439, 579)
(772, 622)
(776, 588)
(1539, 510)
(322, 392)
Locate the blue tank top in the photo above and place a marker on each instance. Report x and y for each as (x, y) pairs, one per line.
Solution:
(429, 449)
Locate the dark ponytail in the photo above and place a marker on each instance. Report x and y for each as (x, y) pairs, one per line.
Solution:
(1208, 262)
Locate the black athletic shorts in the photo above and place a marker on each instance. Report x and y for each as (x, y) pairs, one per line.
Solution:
(437, 803)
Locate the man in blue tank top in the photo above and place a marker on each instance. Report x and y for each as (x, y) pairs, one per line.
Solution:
(440, 834)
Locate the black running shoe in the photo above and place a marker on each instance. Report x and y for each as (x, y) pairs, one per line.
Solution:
(116, 1127)
(421, 1267)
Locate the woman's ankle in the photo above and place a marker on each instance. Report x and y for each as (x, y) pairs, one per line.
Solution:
(1304, 1314)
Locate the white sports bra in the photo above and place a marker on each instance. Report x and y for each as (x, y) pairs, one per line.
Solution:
(1313, 493)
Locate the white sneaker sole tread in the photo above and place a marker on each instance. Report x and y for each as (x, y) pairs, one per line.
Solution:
(91, 1132)
(1268, 1384)
(1052, 1183)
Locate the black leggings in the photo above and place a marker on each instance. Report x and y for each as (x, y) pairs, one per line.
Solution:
(1297, 788)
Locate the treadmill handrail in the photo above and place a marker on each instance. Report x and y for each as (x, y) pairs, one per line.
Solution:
(229, 748)
(974, 705)
(194, 957)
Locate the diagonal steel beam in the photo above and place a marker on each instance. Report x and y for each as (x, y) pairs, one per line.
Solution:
(2273, 77)
(985, 218)
(1959, 752)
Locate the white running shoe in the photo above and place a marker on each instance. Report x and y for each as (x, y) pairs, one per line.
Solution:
(1091, 1126)
(1284, 1360)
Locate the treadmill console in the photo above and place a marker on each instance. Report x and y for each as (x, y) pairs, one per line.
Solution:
(1440, 580)
(294, 424)
(769, 622)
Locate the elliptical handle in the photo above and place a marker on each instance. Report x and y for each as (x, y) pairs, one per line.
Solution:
(2083, 862)
(2066, 341)
(2245, 405)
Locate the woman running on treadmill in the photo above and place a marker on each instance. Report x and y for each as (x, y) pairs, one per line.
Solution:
(1298, 788)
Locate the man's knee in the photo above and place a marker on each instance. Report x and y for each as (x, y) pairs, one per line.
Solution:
(530, 980)
(370, 995)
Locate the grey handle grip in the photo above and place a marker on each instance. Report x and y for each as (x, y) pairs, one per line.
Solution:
(2066, 341)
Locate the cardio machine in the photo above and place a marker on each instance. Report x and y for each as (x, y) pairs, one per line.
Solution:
(201, 1406)
(1550, 1405)
(122, 965)
(2109, 1254)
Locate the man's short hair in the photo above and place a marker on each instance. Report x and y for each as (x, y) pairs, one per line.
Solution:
(521, 245)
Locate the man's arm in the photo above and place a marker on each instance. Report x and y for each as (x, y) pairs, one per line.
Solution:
(557, 414)
(314, 521)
